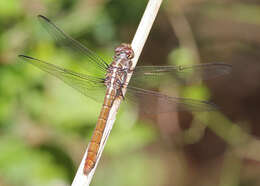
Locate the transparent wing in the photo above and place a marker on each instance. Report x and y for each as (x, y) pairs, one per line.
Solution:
(152, 102)
(63, 39)
(152, 76)
(92, 87)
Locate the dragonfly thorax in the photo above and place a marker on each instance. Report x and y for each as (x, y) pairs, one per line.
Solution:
(120, 67)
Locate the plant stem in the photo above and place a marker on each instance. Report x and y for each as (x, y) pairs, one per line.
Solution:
(137, 45)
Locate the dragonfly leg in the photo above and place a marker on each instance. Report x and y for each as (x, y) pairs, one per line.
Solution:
(121, 93)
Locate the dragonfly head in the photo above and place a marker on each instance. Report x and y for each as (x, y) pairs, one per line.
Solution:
(124, 51)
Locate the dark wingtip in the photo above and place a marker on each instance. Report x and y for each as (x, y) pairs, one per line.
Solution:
(222, 64)
(43, 17)
(214, 107)
(227, 65)
(211, 107)
(24, 56)
(21, 56)
(227, 68)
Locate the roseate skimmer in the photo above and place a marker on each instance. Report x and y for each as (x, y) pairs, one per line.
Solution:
(111, 78)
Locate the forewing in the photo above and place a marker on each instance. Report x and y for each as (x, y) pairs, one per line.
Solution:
(63, 39)
(152, 76)
(92, 87)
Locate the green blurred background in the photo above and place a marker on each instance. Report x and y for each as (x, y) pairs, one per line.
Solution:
(45, 125)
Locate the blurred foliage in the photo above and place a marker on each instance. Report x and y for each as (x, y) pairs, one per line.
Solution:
(22, 165)
(45, 125)
(38, 112)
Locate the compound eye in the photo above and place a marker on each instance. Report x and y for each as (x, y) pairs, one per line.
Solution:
(119, 49)
(130, 54)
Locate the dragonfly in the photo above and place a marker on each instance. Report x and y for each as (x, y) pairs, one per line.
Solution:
(111, 78)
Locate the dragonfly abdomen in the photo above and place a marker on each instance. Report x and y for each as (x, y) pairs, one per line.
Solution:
(99, 130)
